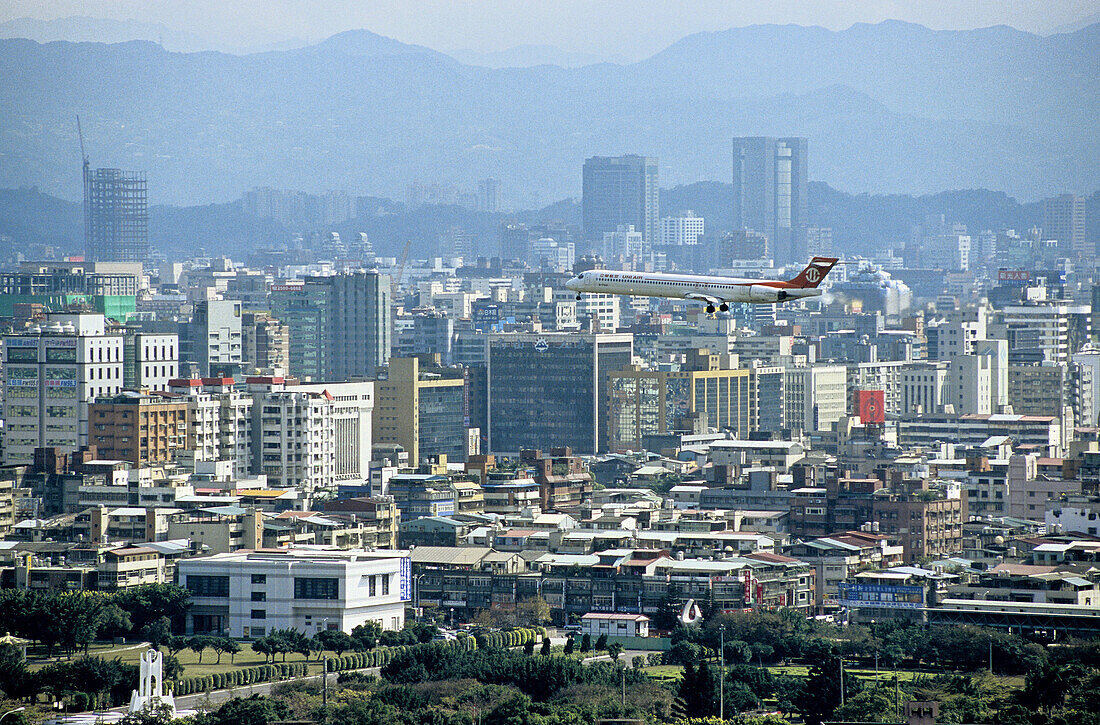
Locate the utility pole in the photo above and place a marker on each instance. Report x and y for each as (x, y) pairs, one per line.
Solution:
(991, 654)
(897, 699)
(722, 674)
(842, 680)
(624, 688)
(324, 687)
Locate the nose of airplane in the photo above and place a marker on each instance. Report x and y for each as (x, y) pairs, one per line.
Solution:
(572, 284)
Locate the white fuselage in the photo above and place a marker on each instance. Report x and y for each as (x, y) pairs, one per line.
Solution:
(685, 286)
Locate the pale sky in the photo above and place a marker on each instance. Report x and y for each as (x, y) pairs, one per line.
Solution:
(628, 28)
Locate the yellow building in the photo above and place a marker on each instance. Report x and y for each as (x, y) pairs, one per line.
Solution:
(704, 393)
(423, 409)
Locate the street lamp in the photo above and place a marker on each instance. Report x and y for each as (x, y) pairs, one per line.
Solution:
(10, 712)
(722, 674)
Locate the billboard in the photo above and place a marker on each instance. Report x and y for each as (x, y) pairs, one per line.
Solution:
(887, 596)
(870, 406)
(1013, 277)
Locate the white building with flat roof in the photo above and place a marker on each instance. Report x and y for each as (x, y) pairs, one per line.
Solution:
(247, 594)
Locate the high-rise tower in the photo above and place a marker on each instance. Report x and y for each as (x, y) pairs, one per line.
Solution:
(769, 191)
(1064, 220)
(621, 190)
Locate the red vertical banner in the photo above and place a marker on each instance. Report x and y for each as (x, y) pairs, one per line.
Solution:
(870, 406)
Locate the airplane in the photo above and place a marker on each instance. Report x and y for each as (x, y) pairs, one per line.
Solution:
(716, 292)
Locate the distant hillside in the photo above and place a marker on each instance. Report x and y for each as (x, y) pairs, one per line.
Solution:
(887, 108)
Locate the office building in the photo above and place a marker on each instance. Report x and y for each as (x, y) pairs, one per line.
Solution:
(620, 190)
(301, 306)
(488, 195)
(51, 374)
(705, 394)
(423, 408)
(250, 593)
(1064, 220)
(116, 215)
(138, 427)
(546, 390)
(339, 325)
(769, 191)
(211, 341)
(676, 231)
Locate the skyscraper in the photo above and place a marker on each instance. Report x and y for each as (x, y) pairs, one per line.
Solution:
(116, 215)
(769, 191)
(620, 190)
(339, 325)
(1064, 220)
(548, 390)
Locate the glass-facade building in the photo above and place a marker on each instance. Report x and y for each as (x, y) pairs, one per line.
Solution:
(549, 390)
(648, 402)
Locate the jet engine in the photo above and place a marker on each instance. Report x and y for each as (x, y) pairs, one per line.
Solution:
(765, 293)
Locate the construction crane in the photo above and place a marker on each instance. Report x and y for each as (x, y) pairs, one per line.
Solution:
(83, 154)
(401, 264)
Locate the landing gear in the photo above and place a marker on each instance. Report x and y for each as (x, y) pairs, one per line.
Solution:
(578, 297)
(724, 307)
(710, 309)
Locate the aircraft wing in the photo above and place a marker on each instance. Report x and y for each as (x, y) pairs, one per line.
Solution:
(703, 298)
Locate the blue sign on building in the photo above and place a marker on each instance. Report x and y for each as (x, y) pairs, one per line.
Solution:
(406, 579)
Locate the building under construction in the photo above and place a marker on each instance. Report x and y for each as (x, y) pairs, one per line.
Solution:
(116, 215)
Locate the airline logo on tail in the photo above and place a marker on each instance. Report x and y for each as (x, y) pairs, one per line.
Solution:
(814, 272)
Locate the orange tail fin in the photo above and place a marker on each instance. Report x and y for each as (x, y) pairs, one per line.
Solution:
(814, 273)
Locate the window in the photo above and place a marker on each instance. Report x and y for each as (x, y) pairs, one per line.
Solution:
(208, 586)
(259, 596)
(373, 588)
(385, 584)
(259, 578)
(259, 614)
(316, 588)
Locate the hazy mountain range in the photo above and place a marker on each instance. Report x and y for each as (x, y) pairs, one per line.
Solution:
(887, 107)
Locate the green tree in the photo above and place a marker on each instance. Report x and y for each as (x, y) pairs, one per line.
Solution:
(231, 648)
(532, 612)
(820, 694)
(366, 636)
(529, 647)
(264, 646)
(116, 621)
(254, 710)
(569, 645)
(335, 641)
(601, 642)
(545, 652)
(613, 650)
(586, 642)
(199, 644)
(149, 602)
(155, 714)
(697, 695)
(158, 632)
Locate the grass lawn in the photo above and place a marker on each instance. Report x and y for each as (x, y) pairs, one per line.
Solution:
(672, 672)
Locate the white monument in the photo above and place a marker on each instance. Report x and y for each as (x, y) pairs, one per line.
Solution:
(691, 615)
(150, 692)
